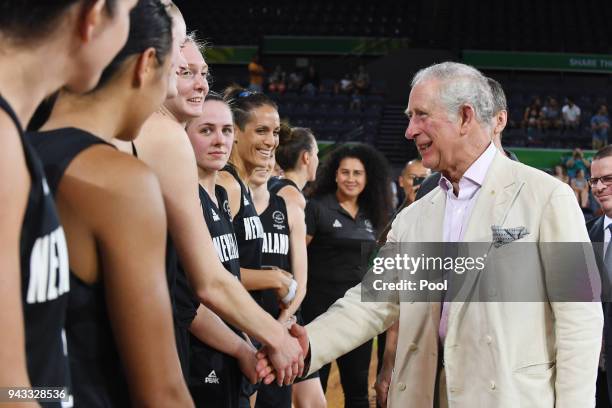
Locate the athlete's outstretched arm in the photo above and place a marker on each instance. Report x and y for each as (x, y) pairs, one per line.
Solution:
(168, 152)
(14, 188)
(132, 252)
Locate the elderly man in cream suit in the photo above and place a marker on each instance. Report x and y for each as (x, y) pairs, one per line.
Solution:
(514, 354)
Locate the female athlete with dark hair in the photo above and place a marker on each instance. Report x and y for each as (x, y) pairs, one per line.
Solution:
(284, 247)
(71, 41)
(297, 155)
(119, 324)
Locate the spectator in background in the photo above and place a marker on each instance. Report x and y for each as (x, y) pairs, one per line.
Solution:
(256, 75)
(531, 118)
(362, 79)
(551, 115)
(577, 162)
(581, 189)
(278, 80)
(571, 114)
(600, 123)
(312, 81)
(561, 174)
(410, 180)
(294, 82)
(346, 85)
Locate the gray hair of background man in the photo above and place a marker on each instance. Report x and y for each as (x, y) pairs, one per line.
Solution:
(499, 97)
(460, 85)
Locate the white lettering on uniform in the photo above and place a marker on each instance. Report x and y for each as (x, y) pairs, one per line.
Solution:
(226, 247)
(275, 243)
(253, 228)
(49, 268)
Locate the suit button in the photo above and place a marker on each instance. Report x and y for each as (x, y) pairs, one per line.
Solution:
(492, 385)
(401, 386)
(488, 339)
(413, 347)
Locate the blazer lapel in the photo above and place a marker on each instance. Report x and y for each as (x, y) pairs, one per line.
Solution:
(495, 199)
(498, 193)
(431, 222)
(596, 232)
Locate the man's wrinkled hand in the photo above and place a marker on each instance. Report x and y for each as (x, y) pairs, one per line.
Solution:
(299, 332)
(383, 382)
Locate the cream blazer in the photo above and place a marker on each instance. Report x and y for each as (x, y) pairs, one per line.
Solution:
(497, 355)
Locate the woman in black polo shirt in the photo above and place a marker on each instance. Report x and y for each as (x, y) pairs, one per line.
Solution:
(350, 203)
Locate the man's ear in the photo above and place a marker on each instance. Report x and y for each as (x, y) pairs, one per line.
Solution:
(400, 181)
(145, 66)
(501, 119)
(90, 17)
(467, 118)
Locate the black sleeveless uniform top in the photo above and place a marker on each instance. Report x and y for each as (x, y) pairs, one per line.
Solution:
(219, 222)
(45, 280)
(275, 221)
(247, 227)
(95, 365)
(276, 184)
(276, 249)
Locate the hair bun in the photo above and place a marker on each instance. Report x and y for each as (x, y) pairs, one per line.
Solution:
(285, 133)
(232, 91)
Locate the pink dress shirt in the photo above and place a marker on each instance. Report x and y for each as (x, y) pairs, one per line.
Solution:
(459, 208)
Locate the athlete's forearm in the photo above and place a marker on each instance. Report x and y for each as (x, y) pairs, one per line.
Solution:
(258, 279)
(295, 303)
(226, 296)
(211, 330)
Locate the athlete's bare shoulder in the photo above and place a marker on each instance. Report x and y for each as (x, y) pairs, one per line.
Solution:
(291, 195)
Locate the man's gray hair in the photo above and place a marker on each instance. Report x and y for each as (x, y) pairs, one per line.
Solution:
(499, 97)
(460, 84)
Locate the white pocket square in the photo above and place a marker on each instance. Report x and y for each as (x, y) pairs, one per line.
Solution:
(503, 236)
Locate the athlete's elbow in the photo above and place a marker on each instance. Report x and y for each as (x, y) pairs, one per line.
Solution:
(212, 293)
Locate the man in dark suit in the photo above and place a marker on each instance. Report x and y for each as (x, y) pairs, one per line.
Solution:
(500, 118)
(600, 231)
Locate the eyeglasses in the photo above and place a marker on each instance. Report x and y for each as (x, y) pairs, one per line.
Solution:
(606, 180)
(416, 180)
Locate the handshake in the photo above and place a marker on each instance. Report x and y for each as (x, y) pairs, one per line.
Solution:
(284, 360)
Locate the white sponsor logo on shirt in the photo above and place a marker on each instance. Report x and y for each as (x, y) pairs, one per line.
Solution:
(212, 378)
(337, 224)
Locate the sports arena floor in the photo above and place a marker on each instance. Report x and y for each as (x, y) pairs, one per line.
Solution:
(334, 395)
